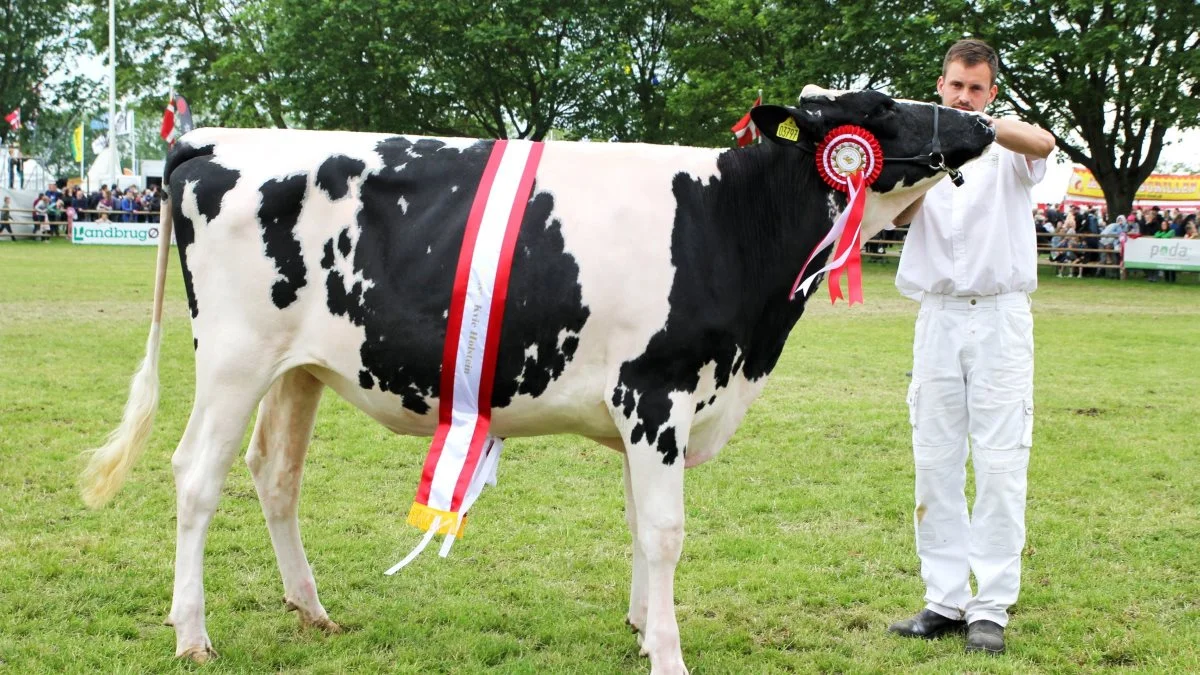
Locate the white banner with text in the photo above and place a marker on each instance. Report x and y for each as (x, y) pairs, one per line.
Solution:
(1163, 254)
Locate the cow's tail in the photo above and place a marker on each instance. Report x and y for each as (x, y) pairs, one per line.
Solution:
(108, 466)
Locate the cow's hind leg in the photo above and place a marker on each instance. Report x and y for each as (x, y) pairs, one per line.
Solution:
(658, 501)
(201, 463)
(276, 460)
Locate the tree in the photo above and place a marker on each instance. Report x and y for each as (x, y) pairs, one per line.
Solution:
(1107, 78)
(208, 50)
(37, 39)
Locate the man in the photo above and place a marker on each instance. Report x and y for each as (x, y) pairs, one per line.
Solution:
(970, 259)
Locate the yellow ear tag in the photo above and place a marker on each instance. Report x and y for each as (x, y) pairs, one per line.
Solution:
(788, 129)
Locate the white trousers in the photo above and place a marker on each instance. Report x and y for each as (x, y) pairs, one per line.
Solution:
(972, 379)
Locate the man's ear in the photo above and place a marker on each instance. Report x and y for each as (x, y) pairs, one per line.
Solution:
(785, 126)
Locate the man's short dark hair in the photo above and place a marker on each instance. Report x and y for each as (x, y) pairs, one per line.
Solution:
(972, 52)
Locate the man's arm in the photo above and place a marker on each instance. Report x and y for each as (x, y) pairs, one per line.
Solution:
(1023, 138)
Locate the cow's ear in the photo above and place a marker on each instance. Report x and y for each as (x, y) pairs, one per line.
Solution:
(782, 125)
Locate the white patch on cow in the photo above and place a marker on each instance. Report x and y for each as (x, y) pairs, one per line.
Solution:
(812, 91)
(445, 314)
(412, 153)
(403, 204)
(399, 167)
(531, 352)
(428, 250)
(883, 207)
(832, 207)
(454, 188)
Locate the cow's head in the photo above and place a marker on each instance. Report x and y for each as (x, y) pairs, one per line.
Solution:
(904, 129)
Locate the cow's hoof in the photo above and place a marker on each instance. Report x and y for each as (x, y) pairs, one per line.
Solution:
(633, 627)
(675, 668)
(199, 654)
(310, 620)
(324, 625)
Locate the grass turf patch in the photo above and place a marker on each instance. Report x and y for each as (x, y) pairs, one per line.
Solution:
(799, 548)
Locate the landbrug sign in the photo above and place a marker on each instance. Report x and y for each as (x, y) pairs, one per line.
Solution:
(120, 234)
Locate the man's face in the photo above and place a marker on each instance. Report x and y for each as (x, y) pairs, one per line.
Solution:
(966, 87)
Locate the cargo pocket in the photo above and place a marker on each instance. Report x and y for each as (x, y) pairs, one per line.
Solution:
(1027, 422)
(914, 389)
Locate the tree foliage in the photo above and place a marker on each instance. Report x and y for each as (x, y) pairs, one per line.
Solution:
(1107, 77)
(37, 39)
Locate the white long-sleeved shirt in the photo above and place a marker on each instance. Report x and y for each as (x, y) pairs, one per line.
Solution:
(977, 239)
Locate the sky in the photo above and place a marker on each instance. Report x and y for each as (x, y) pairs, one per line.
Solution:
(1184, 148)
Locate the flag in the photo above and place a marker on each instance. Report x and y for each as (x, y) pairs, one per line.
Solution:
(99, 124)
(183, 116)
(168, 121)
(99, 143)
(123, 123)
(14, 118)
(77, 143)
(744, 131)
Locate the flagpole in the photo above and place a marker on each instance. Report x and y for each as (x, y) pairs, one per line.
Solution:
(131, 131)
(112, 91)
(760, 102)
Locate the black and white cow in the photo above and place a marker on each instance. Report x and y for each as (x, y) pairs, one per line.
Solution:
(648, 302)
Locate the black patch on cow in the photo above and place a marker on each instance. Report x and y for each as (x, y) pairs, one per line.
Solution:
(737, 245)
(327, 258)
(700, 406)
(187, 164)
(335, 173)
(282, 200)
(195, 344)
(410, 256)
(667, 446)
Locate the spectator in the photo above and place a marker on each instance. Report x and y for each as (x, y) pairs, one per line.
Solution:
(104, 207)
(1110, 243)
(1165, 232)
(52, 194)
(70, 213)
(80, 203)
(1059, 252)
(16, 165)
(1189, 231)
(125, 206)
(55, 215)
(40, 207)
(6, 218)
(1076, 255)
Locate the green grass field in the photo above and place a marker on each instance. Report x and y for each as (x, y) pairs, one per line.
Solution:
(799, 548)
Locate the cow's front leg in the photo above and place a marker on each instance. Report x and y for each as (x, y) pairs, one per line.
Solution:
(657, 481)
(636, 618)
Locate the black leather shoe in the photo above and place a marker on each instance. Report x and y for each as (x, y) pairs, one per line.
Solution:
(927, 624)
(986, 637)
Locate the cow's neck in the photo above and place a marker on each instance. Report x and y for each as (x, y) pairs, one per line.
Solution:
(773, 209)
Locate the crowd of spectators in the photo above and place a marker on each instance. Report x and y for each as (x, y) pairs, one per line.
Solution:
(57, 209)
(1077, 254)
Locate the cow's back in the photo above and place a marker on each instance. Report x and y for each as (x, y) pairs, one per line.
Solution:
(337, 251)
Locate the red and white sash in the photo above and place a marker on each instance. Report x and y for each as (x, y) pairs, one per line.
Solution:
(463, 455)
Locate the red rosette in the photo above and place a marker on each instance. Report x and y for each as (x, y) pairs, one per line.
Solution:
(846, 150)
